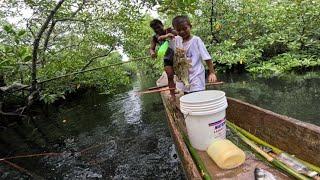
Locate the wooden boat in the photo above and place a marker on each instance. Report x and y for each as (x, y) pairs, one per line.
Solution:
(293, 136)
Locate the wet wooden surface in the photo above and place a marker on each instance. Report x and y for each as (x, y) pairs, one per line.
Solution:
(245, 171)
(189, 167)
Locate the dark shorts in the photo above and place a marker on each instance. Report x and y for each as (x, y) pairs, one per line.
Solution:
(168, 58)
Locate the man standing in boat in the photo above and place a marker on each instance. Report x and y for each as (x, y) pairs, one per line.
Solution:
(161, 36)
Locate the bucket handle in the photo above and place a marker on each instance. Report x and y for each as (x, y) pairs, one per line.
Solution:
(188, 113)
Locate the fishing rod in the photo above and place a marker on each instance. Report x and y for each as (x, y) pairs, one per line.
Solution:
(79, 72)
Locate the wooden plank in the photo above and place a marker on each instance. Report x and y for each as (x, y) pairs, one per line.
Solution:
(156, 90)
(288, 134)
(245, 171)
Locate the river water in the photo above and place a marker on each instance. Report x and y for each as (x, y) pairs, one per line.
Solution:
(297, 96)
(126, 136)
(97, 137)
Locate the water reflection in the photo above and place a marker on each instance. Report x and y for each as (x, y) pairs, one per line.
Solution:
(132, 106)
(297, 96)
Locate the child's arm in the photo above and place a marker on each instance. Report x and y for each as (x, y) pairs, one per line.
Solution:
(206, 57)
(212, 74)
(166, 36)
(152, 49)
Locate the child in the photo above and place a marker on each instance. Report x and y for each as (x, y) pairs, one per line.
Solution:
(158, 39)
(196, 52)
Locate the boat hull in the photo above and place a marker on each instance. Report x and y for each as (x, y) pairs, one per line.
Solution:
(177, 127)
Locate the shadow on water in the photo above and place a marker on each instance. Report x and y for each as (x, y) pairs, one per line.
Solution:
(297, 96)
(97, 137)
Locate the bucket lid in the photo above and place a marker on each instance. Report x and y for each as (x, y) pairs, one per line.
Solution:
(203, 108)
(202, 104)
(202, 96)
(205, 112)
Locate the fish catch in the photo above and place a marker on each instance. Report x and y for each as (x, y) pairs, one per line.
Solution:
(296, 165)
(181, 66)
(261, 174)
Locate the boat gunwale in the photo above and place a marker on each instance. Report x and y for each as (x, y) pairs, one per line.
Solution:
(286, 133)
(190, 169)
(292, 120)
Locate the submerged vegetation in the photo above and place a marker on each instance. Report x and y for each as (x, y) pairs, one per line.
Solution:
(41, 40)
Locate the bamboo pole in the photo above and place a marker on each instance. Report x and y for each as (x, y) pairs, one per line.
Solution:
(30, 155)
(254, 138)
(203, 171)
(214, 83)
(272, 160)
(274, 149)
(49, 154)
(156, 90)
(207, 84)
(21, 169)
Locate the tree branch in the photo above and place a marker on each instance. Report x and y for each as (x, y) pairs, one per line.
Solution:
(65, 48)
(80, 8)
(45, 46)
(96, 57)
(70, 19)
(10, 113)
(37, 42)
(12, 87)
(213, 19)
(28, 26)
(53, 23)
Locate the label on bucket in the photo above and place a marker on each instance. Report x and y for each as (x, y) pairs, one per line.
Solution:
(218, 129)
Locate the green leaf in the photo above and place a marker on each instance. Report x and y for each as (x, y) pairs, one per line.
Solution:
(27, 58)
(8, 28)
(16, 39)
(4, 61)
(22, 32)
(23, 51)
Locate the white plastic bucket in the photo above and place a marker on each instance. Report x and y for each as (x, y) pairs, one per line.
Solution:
(203, 108)
(200, 105)
(205, 113)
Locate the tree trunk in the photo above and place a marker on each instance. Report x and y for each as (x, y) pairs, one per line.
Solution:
(36, 45)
